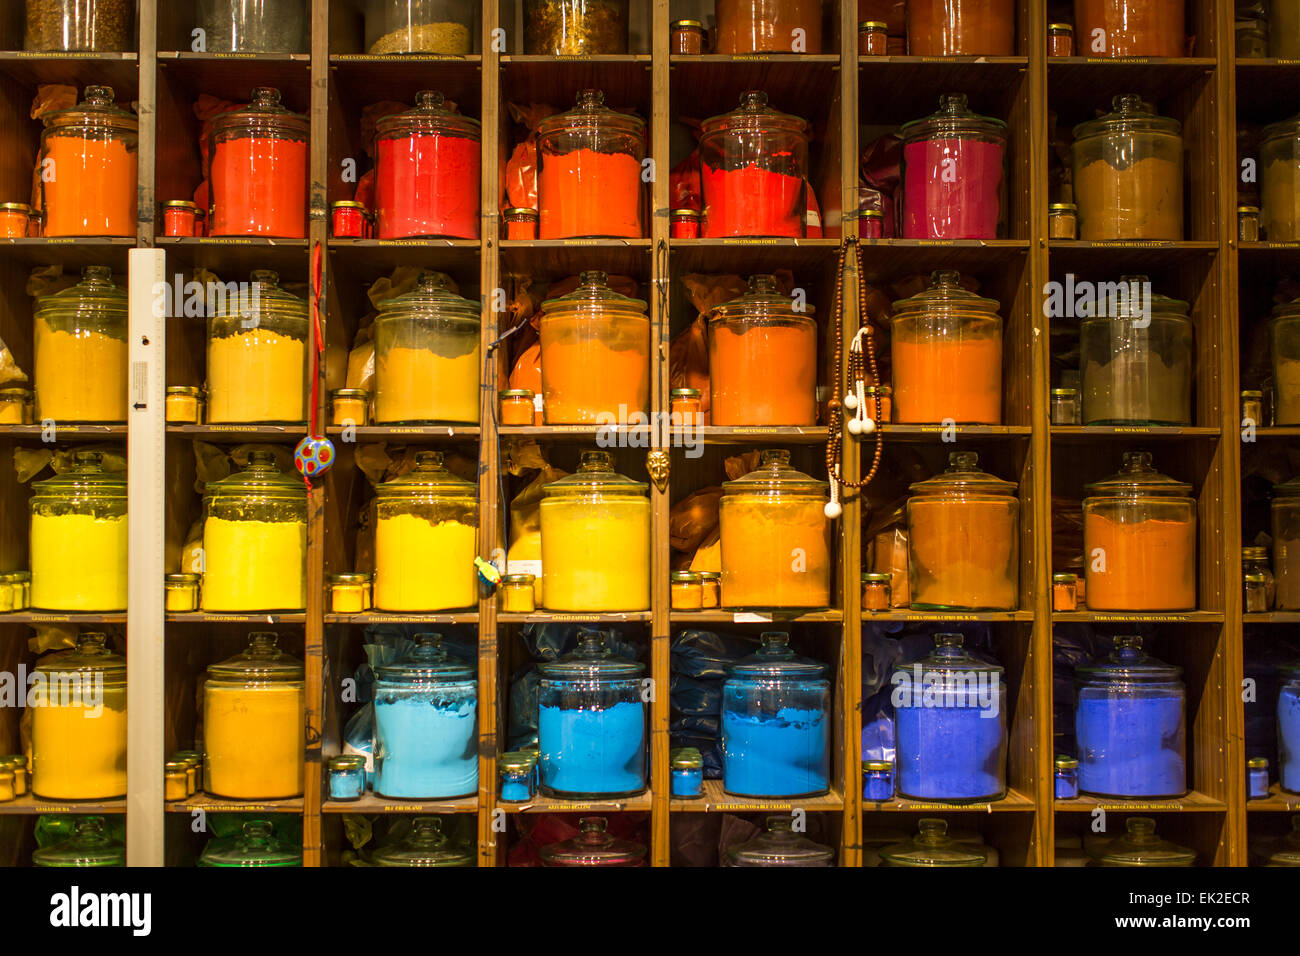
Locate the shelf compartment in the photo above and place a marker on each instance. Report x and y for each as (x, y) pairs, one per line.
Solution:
(758, 616)
(31, 804)
(375, 803)
(544, 804)
(717, 800)
(1014, 801)
(1277, 801)
(1194, 801)
(211, 804)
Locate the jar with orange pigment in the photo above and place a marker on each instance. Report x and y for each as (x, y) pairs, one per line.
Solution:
(1139, 540)
(589, 182)
(259, 170)
(89, 168)
(946, 353)
(775, 537)
(963, 543)
(14, 220)
(763, 359)
(595, 355)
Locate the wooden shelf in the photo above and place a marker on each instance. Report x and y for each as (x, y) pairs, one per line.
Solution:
(1277, 801)
(239, 434)
(374, 803)
(560, 617)
(544, 804)
(60, 617)
(33, 805)
(910, 616)
(758, 616)
(410, 433)
(1014, 801)
(1272, 617)
(1192, 802)
(210, 804)
(386, 617)
(1139, 617)
(1083, 433)
(717, 800)
(236, 617)
(65, 432)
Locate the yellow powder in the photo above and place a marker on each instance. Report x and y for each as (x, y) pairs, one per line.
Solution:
(254, 565)
(255, 740)
(80, 377)
(423, 566)
(79, 562)
(76, 755)
(256, 376)
(596, 556)
(774, 555)
(420, 385)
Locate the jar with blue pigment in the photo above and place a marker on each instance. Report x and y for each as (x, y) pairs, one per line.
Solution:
(686, 765)
(877, 780)
(1129, 724)
(426, 725)
(1288, 727)
(1257, 778)
(1067, 777)
(591, 723)
(776, 724)
(518, 772)
(950, 723)
(347, 777)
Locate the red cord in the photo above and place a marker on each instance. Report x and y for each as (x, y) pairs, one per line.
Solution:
(312, 413)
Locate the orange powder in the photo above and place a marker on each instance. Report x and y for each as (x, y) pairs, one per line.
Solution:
(259, 188)
(91, 187)
(935, 381)
(962, 554)
(1149, 565)
(586, 193)
(763, 375)
(582, 379)
(774, 555)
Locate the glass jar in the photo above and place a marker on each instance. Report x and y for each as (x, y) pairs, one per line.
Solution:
(347, 777)
(181, 593)
(89, 845)
(873, 38)
(686, 590)
(175, 778)
(775, 723)
(685, 223)
(762, 359)
(1128, 172)
(254, 26)
(517, 593)
(427, 172)
(426, 539)
(22, 776)
(255, 846)
(686, 770)
(257, 356)
(688, 38)
(1139, 540)
(594, 847)
(254, 723)
(780, 846)
(591, 723)
(1066, 785)
(1136, 359)
(79, 723)
(426, 845)
(92, 147)
(193, 761)
(1286, 852)
(1065, 591)
(1257, 778)
(16, 406)
(871, 224)
(575, 27)
(710, 589)
(80, 26)
(933, 847)
(595, 355)
(961, 27)
(426, 725)
(684, 405)
(1256, 560)
(518, 772)
(81, 351)
(79, 538)
(1062, 221)
(184, 405)
(348, 220)
(517, 407)
(753, 171)
(963, 541)
(946, 355)
(348, 593)
(1253, 601)
(1252, 408)
(590, 183)
(775, 537)
(349, 406)
(769, 26)
(1140, 846)
(1284, 29)
(1286, 544)
(1060, 39)
(954, 175)
(260, 170)
(1114, 28)
(521, 223)
(427, 356)
(1066, 407)
(255, 539)
(1279, 173)
(1284, 333)
(419, 26)
(877, 780)
(1251, 38)
(1248, 219)
(875, 592)
(14, 219)
(1288, 727)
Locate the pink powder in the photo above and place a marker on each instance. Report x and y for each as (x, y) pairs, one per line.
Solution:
(951, 189)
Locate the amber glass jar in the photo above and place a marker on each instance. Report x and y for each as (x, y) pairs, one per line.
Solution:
(688, 38)
(769, 26)
(1130, 27)
(961, 27)
(1279, 160)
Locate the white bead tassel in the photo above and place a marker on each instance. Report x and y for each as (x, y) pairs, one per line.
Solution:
(861, 423)
(833, 507)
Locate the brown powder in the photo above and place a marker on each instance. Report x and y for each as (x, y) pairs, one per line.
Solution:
(1280, 210)
(1143, 200)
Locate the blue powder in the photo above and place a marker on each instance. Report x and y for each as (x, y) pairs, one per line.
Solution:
(1288, 737)
(348, 784)
(587, 752)
(775, 756)
(950, 752)
(1131, 746)
(1257, 783)
(877, 785)
(424, 748)
(516, 790)
(688, 782)
(1067, 784)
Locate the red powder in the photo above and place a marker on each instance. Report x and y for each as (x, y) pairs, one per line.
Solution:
(586, 193)
(259, 188)
(750, 201)
(951, 189)
(428, 185)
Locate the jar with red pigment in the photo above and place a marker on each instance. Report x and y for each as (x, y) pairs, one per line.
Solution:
(753, 168)
(259, 170)
(427, 174)
(589, 181)
(953, 174)
(348, 220)
(180, 218)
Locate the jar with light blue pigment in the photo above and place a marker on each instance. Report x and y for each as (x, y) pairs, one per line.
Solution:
(1067, 777)
(591, 723)
(1129, 724)
(347, 777)
(518, 772)
(1257, 778)
(1288, 727)
(877, 780)
(950, 724)
(686, 767)
(426, 725)
(776, 723)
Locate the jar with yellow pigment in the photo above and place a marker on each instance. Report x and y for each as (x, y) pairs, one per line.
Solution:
(427, 356)
(426, 539)
(775, 537)
(596, 540)
(79, 723)
(254, 723)
(349, 406)
(80, 343)
(16, 406)
(255, 540)
(517, 596)
(257, 356)
(184, 405)
(79, 539)
(349, 593)
(181, 593)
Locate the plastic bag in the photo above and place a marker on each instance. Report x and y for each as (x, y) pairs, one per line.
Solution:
(53, 96)
(688, 363)
(10, 373)
(521, 169)
(684, 184)
(693, 518)
(524, 552)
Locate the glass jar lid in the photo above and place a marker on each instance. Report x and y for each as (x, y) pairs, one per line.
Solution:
(1288, 850)
(255, 846)
(526, 393)
(347, 762)
(596, 476)
(780, 846)
(685, 577)
(267, 300)
(91, 656)
(774, 476)
(97, 109)
(1287, 310)
(354, 393)
(685, 393)
(261, 662)
(774, 660)
(427, 663)
(593, 294)
(181, 578)
(432, 297)
(261, 478)
(430, 115)
(1066, 762)
(425, 845)
(1288, 128)
(1127, 662)
(954, 118)
(948, 657)
(1257, 763)
(685, 758)
(1126, 308)
(754, 115)
(1287, 489)
(944, 294)
(590, 114)
(933, 847)
(963, 477)
(877, 766)
(762, 300)
(1129, 115)
(189, 391)
(1140, 846)
(1256, 553)
(428, 479)
(591, 660)
(594, 846)
(85, 479)
(348, 578)
(94, 293)
(517, 761)
(519, 578)
(90, 845)
(1138, 478)
(263, 116)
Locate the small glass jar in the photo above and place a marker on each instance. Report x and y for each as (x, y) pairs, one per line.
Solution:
(594, 847)
(427, 177)
(871, 223)
(1248, 224)
(175, 777)
(180, 217)
(873, 38)
(93, 149)
(521, 223)
(688, 38)
(14, 220)
(1132, 27)
(78, 538)
(780, 845)
(517, 593)
(260, 170)
(1254, 599)
(686, 591)
(1062, 221)
(193, 761)
(81, 351)
(79, 26)
(932, 846)
(686, 769)
(184, 404)
(954, 174)
(17, 406)
(1257, 778)
(517, 407)
(17, 764)
(419, 26)
(768, 26)
(685, 223)
(518, 773)
(89, 846)
(1060, 39)
(1256, 559)
(257, 356)
(348, 220)
(710, 589)
(1252, 408)
(347, 777)
(875, 592)
(1251, 38)
(1067, 778)
(6, 785)
(181, 593)
(1066, 407)
(685, 406)
(1140, 846)
(1065, 591)
(8, 594)
(349, 406)
(349, 593)
(877, 780)
(25, 578)
(255, 846)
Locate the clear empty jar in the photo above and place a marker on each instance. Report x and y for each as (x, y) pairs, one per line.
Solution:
(92, 151)
(1284, 336)
(1279, 174)
(961, 27)
(254, 26)
(81, 351)
(779, 845)
(1286, 545)
(1142, 846)
(80, 26)
(769, 26)
(419, 26)
(594, 846)
(575, 27)
(954, 174)
(257, 356)
(1130, 27)
(426, 845)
